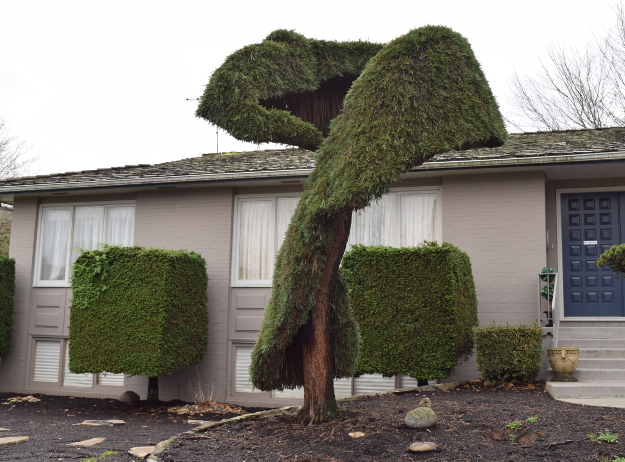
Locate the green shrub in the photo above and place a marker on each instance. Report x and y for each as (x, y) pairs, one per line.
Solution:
(507, 353)
(138, 311)
(614, 258)
(416, 308)
(7, 291)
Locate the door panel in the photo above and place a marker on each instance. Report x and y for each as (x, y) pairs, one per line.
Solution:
(591, 224)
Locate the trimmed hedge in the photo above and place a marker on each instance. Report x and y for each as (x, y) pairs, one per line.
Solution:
(138, 311)
(7, 291)
(507, 353)
(416, 308)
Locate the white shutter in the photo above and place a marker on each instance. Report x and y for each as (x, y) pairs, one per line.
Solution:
(407, 382)
(75, 380)
(107, 378)
(342, 388)
(242, 360)
(373, 383)
(296, 393)
(47, 361)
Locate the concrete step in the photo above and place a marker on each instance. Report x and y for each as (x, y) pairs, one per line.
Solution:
(616, 353)
(591, 343)
(591, 332)
(601, 363)
(587, 389)
(600, 374)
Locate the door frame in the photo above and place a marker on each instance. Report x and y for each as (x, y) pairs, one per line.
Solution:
(560, 293)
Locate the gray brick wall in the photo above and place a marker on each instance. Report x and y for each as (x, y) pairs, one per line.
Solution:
(499, 220)
(198, 220)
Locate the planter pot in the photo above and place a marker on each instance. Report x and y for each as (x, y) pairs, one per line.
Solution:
(563, 361)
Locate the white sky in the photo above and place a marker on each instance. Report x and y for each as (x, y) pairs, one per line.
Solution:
(93, 84)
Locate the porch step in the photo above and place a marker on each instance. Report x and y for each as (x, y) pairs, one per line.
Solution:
(587, 389)
(591, 353)
(601, 368)
(592, 343)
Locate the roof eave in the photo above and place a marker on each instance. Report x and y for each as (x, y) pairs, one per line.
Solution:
(303, 172)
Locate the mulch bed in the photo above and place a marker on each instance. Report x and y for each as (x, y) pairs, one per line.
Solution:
(471, 427)
(49, 425)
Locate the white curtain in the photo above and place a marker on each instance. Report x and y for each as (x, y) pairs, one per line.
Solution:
(55, 242)
(374, 225)
(88, 224)
(120, 222)
(255, 239)
(418, 219)
(284, 213)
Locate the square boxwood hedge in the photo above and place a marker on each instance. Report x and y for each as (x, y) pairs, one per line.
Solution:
(416, 308)
(507, 353)
(138, 311)
(7, 291)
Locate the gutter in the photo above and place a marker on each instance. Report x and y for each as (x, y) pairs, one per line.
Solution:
(303, 172)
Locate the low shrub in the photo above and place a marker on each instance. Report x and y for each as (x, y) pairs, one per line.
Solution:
(506, 353)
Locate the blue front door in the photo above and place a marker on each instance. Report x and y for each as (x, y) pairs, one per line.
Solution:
(591, 224)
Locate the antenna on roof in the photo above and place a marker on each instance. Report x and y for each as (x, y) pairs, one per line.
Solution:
(216, 128)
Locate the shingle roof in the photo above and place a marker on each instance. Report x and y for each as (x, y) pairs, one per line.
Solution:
(522, 149)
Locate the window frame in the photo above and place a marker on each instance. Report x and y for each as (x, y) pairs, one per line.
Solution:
(71, 206)
(398, 191)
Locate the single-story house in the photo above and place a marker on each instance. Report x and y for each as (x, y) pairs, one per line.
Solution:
(545, 199)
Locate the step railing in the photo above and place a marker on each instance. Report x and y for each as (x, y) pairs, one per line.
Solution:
(548, 293)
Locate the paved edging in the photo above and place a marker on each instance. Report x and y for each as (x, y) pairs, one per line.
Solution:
(160, 447)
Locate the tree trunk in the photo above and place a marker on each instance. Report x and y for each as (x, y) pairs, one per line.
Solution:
(153, 390)
(317, 354)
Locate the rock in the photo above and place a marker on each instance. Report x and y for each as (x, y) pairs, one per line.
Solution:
(356, 434)
(91, 442)
(102, 423)
(129, 397)
(141, 452)
(425, 402)
(421, 417)
(12, 439)
(423, 447)
(5, 430)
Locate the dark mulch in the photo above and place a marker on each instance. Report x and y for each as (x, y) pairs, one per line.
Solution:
(471, 423)
(49, 424)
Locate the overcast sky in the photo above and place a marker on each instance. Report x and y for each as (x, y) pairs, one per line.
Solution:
(92, 84)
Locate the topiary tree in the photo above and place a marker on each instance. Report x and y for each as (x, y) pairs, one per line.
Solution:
(7, 292)
(420, 95)
(613, 258)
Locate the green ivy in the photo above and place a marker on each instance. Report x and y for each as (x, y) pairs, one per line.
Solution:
(138, 311)
(416, 308)
(7, 291)
(507, 353)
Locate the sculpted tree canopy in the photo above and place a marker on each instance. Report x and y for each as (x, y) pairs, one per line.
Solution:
(385, 109)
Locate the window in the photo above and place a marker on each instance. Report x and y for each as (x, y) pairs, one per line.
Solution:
(48, 367)
(63, 230)
(402, 218)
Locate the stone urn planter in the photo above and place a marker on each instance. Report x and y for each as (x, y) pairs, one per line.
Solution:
(563, 361)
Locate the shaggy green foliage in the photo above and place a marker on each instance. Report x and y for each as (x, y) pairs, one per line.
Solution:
(138, 311)
(614, 258)
(507, 353)
(241, 95)
(7, 291)
(5, 233)
(422, 94)
(416, 308)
